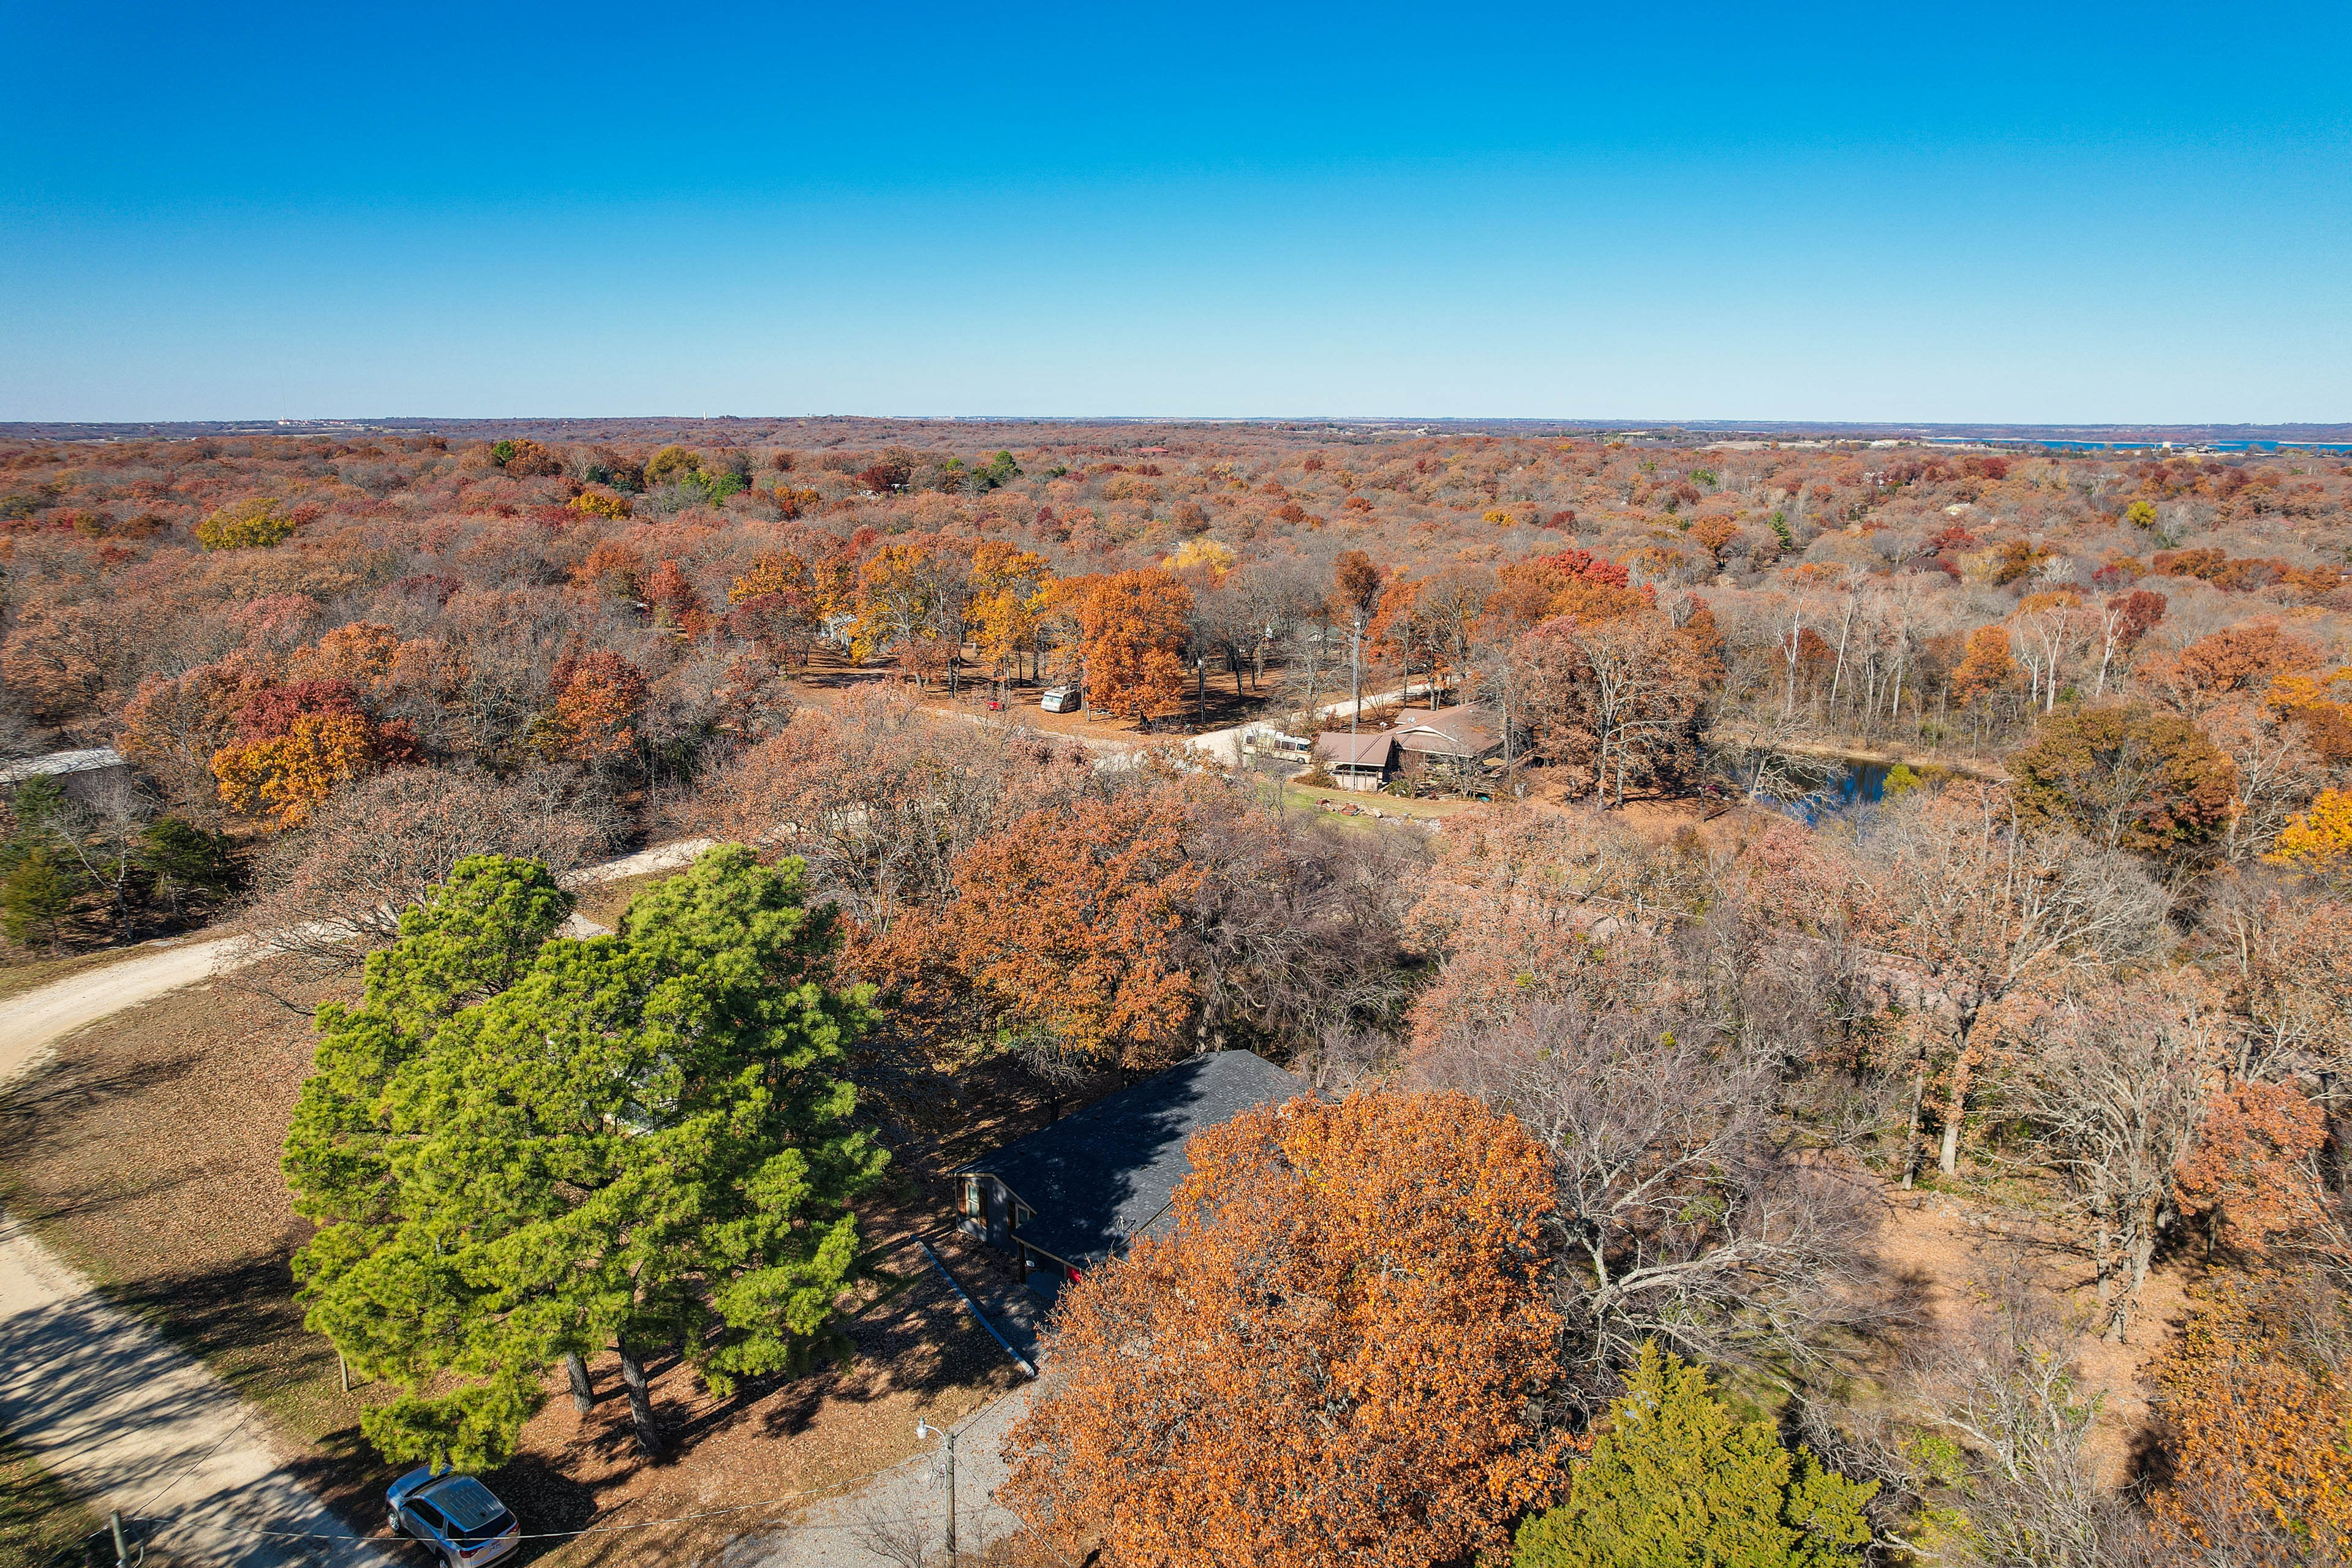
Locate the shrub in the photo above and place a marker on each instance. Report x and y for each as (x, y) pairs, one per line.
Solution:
(252, 524)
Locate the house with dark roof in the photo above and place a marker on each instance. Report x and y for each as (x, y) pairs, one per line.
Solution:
(1067, 1198)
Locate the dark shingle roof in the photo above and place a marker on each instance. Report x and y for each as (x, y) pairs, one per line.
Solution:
(1096, 1178)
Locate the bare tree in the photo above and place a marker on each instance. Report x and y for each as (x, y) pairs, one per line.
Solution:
(880, 800)
(2007, 1389)
(1690, 1214)
(2120, 1090)
(1982, 908)
(324, 896)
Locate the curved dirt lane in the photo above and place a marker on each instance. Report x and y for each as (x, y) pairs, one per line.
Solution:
(31, 1021)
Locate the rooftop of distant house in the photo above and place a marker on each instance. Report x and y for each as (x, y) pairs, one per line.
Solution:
(1097, 1179)
(58, 763)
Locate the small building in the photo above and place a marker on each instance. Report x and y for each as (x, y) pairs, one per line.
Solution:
(1362, 760)
(1067, 1198)
(83, 774)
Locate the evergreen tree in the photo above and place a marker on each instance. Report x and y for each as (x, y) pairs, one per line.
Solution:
(520, 1150)
(1674, 1481)
(180, 858)
(37, 897)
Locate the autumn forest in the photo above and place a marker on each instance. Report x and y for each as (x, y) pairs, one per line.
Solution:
(1875, 985)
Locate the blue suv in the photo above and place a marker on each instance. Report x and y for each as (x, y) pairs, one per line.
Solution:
(454, 1516)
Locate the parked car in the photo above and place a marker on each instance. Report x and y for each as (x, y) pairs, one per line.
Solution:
(455, 1517)
(1061, 700)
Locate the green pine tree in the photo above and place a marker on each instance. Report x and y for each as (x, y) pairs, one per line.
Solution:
(180, 858)
(520, 1149)
(37, 897)
(1674, 1481)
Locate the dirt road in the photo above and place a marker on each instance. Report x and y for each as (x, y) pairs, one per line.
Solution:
(129, 1422)
(35, 1019)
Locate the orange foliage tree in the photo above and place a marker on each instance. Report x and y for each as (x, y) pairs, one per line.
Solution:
(2261, 1439)
(2125, 778)
(610, 570)
(1131, 626)
(56, 659)
(674, 599)
(281, 777)
(1615, 698)
(1987, 666)
(2319, 839)
(1334, 1356)
(910, 605)
(1570, 582)
(2222, 664)
(1068, 920)
(597, 698)
(1006, 585)
(2249, 1173)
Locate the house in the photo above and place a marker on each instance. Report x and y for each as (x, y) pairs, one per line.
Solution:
(1457, 739)
(1067, 1198)
(82, 774)
(1357, 761)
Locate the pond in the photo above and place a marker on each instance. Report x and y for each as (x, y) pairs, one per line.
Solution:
(1821, 786)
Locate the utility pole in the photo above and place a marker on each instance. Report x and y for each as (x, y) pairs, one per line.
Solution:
(1356, 670)
(924, 1429)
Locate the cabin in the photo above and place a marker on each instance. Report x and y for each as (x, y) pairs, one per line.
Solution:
(84, 775)
(1366, 760)
(1075, 1194)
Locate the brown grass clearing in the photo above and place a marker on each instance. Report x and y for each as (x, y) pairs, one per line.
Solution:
(605, 902)
(1952, 1247)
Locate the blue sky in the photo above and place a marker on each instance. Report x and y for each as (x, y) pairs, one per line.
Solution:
(2028, 213)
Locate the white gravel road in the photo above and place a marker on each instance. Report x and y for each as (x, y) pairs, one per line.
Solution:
(134, 1424)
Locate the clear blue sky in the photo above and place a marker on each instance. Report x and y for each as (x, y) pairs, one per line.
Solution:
(2030, 212)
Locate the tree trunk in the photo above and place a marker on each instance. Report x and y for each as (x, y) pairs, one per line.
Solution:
(1947, 1155)
(641, 1404)
(2150, 1219)
(1911, 1132)
(2103, 1257)
(583, 1393)
(1356, 678)
(1956, 1108)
